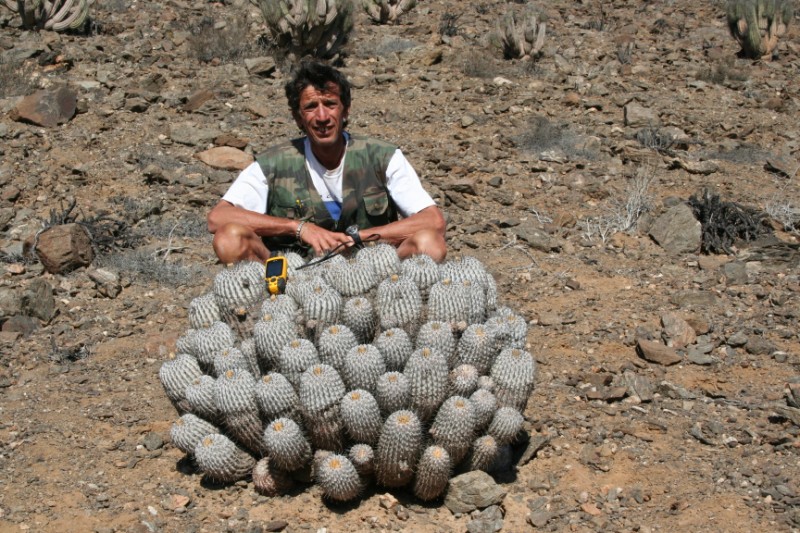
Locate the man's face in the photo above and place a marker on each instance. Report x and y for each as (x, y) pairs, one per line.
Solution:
(321, 115)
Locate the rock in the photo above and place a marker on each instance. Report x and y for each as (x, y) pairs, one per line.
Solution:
(9, 302)
(20, 324)
(694, 299)
(276, 525)
(677, 333)
(695, 167)
(490, 520)
(539, 519)
(758, 345)
(536, 238)
(38, 301)
(464, 186)
(638, 386)
(47, 108)
(190, 134)
(735, 273)
(197, 100)
(63, 248)
(655, 352)
(225, 157)
(737, 339)
(260, 66)
(153, 441)
(637, 116)
(107, 282)
(473, 490)
(677, 230)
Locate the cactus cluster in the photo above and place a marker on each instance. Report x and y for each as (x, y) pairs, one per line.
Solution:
(387, 11)
(401, 380)
(521, 36)
(309, 27)
(757, 24)
(56, 15)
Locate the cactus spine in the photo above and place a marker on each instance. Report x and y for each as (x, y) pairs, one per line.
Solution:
(484, 404)
(484, 453)
(269, 480)
(361, 416)
(236, 400)
(360, 318)
(513, 373)
(203, 311)
(202, 398)
(398, 449)
(295, 357)
(454, 427)
(362, 367)
(433, 473)
(338, 478)
(270, 335)
(380, 256)
(463, 380)
(286, 444)
(438, 336)
(395, 346)
(176, 374)
(276, 397)
(187, 432)
(478, 347)
(427, 375)
(505, 425)
(222, 460)
(363, 458)
(56, 15)
(399, 303)
(392, 392)
(334, 344)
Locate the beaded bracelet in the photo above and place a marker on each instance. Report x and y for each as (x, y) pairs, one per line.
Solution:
(299, 230)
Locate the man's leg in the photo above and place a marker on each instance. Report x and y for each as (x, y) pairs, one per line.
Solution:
(428, 242)
(234, 242)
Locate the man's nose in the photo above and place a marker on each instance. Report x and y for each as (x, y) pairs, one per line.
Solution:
(322, 114)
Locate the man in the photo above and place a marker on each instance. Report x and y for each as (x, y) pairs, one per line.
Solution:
(303, 194)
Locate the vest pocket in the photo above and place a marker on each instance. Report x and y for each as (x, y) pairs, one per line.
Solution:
(376, 202)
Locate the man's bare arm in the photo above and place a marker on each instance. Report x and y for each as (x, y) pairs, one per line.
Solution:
(395, 233)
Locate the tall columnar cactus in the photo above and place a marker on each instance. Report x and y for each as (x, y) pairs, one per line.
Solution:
(236, 400)
(187, 432)
(478, 347)
(392, 392)
(423, 271)
(513, 372)
(363, 458)
(203, 311)
(363, 365)
(398, 449)
(309, 27)
(505, 425)
(484, 453)
(433, 473)
(387, 11)
(454, 427)
(176, 374)
(427, 374)
(361, 416)
(398, 303)
(277, 398)
(202, 398)
(222, 460)
(270, 335)
(757, 24)
(359, 316)
(395, 346)
(438, 336)
(338, 478)
(382, 256)
(334, 344)
(269, 480)
(286, 444)
(522, 36)
(56, 15)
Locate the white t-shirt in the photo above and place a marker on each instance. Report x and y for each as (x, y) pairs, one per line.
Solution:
(250, 190)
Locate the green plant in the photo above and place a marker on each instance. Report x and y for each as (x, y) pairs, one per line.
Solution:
(387, 11)
(318, 28)
(56, 15)
(757, 24)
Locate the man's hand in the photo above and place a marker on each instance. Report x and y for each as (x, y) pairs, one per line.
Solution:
(322, 240)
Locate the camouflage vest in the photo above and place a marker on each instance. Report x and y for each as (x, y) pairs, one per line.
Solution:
(365, 198)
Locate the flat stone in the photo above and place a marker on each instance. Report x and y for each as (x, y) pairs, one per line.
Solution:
(655, 352)
(276, 525)
(197, 100)
(192, 135)
(537, 239)
(38, 300)
(490, 520)
(225, 158)
(10, 304)
(260, 66)
(473, 490)
(677, 332)
(694, 299)
(638, 116)
(47, 108)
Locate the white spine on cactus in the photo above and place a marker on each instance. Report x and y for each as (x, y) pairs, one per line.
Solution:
(427, 375)
(222, 460)
(187, 432)
(423, 271)
(359, 316)
(484, 404)
(454, 427)
(399, 303)
(236, 400)
(398, 449)
(363, 458)
(338, 478)
(269, 480)
(203, 311)
(202, 398)
(478, 347)
(393, 392)
(363, 365)
(484, 453)
(176, 374)
(280, 304)
(438, 336)
(351, 278)
(382, 257)
(433, 473)
(334, 344)
(448, 302)
(505, 425)
(395, 346)
(270, 335)
(295, 357)
(361, 416)
(276, 397)
(286, 444)
(463, 380)
(208, 341)
(513, 373)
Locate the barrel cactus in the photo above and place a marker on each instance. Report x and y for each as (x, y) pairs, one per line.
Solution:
(427, 374)
(513, 373)
(223, 460)
(398, 449)
(392, 392)
(188, 431)
(387, 11)
(276, 397)
(382, 256)
(361, 416)
(56, 15)
(522, 36)
(338, 478)
(757, 24)
(236, 400)
(395, 346)
(176, 374)
(202, 397)
(270, 480)
(359, 316)
(334, 344)
(484, 453)
(505, 425)
(203, 311)
(433, 473)
(363, 365)
(399, 303)
(308, 27)
(286, 444)
(454, 427)
(363, 458)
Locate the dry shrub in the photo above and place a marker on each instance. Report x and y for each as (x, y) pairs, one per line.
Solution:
(228, 42)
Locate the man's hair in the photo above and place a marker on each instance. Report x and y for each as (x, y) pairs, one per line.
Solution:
(318, 76)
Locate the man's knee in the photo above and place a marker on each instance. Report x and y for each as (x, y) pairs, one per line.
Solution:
(234, 242)
(428, 242)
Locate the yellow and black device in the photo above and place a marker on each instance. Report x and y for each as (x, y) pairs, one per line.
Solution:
(275, 274)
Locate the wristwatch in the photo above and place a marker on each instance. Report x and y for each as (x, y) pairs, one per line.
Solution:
(352, 232)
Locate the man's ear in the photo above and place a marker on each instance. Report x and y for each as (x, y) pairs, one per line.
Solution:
(296, 117)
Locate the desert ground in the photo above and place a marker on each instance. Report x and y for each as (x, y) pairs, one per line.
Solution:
(555, 172)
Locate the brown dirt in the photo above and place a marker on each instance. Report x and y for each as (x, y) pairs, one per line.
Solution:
(73, 433)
